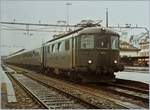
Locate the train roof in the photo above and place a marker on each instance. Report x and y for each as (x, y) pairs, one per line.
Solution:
(86, 30)
(90, 30)
(65, 35)
(21, 52)
(15, 54)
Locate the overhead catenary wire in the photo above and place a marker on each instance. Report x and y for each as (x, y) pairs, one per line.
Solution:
(31, 30)
(33, 24)
(44, 29)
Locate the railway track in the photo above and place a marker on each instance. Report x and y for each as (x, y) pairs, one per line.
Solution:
(48, 96)
(128, 91)
(90, 95)
(129, 87)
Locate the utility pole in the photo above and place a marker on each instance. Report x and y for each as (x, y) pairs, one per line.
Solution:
(107, 17)
(0, 43)
(67, 4)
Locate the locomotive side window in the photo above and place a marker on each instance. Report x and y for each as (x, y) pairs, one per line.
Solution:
(62, 46)
(52, 47)
(48, 49)
(114, 42)
(33, 53)
(67, 44)
(59, 44)
(55, 48)
(102, 42)
(87, 42)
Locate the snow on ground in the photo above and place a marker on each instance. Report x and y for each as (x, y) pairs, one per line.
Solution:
(136, 76)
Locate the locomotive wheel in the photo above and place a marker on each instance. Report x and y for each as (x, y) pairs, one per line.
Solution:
(74, 77)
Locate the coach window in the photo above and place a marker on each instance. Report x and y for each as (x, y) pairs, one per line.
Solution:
(49, 48)
(67, 45)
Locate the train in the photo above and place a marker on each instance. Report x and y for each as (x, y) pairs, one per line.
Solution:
(89, 54)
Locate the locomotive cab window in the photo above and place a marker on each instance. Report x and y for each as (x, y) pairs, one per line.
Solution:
(114, 42)
(48, 49)
(102, 41)
(87, 42)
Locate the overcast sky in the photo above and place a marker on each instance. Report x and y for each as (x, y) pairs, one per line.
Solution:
(120, 12)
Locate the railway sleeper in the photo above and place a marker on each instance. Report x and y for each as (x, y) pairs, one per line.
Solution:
(46, 94)
(52, 98)
(56, 99)
(63, 106)
(42, 91)
(59, 102)
(49, 96)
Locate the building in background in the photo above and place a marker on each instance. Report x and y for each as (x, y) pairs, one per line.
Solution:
(144, 46)
(144, 52)
(128, 50)
(128, 54)
(136, 51)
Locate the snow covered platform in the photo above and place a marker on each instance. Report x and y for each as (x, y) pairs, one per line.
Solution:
(141, 69)
(135, 76)
(9, 87)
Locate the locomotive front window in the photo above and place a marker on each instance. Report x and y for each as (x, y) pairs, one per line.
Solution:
(102, 42)
(87, 42)
(114, 42)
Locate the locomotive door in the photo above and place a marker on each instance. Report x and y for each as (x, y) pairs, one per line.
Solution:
(102, 44)
(103, 58)
(73, 51)
(43, 56)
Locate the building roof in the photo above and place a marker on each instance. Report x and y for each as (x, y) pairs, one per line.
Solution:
(125, 46)
(144, 41)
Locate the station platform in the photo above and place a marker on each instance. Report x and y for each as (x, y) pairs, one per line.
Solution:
(134, 75)
(142, 69)
(6, 83)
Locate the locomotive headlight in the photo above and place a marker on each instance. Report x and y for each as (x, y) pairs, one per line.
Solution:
(90, 61)
(115, 61)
